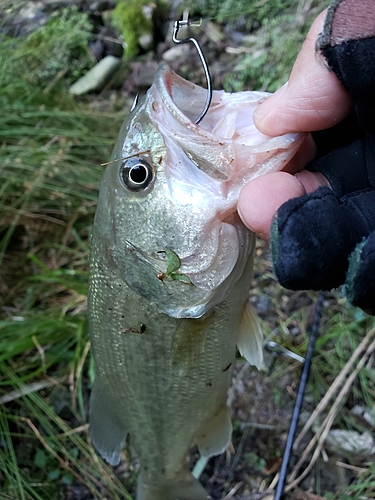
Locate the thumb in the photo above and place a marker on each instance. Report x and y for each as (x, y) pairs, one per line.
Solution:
(313, 99)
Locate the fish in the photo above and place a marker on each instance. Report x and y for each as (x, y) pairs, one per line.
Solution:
(170, 274)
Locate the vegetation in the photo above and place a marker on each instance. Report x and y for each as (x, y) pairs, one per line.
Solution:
(51, 148)
(129, 16)
(57, 53)
(240, 12)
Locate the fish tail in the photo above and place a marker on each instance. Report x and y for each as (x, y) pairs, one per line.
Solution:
(184, 488)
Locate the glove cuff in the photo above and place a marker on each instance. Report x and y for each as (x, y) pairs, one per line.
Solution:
(347, 43)
(360, 280)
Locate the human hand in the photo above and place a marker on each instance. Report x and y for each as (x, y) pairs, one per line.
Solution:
(316, 237)
(313, 99)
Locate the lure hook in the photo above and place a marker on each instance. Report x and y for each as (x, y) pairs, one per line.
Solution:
(177, 26)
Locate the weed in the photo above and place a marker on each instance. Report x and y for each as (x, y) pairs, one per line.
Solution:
(130, 19)
(53, 56)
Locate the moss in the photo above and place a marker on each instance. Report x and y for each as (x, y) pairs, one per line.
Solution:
(129, 18)
(53, 56)
(267, 66)
(271, 53)
(62, 44)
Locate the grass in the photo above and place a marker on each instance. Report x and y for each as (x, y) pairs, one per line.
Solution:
(50, 174)
(50, 153)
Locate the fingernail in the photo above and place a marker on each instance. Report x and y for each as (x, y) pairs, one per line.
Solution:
(268, 105)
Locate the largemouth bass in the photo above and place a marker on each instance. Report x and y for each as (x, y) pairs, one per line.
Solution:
(170, 273)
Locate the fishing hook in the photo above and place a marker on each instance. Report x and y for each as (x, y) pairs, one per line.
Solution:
(177, 26)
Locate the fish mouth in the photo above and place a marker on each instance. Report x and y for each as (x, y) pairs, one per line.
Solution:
(184, 99)
(226, 144)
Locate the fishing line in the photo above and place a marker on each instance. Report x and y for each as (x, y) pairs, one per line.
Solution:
(299, 400)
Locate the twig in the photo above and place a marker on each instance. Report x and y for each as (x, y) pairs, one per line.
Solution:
(331, 391)
(324, 429)
(233, 491)
(238, 379)
(358, 470)
(61, 461)
(57, 78)
(28, 389)
(77, 430)
(274, 482)
(41, 353)
(269, 427)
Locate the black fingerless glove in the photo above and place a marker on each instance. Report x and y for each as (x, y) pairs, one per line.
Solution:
(327, 238)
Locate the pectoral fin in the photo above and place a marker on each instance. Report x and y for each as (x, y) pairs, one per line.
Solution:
(250, 339)
(216, 434)
(107, 433)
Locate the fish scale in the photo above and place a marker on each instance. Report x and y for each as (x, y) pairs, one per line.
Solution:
(165, 383)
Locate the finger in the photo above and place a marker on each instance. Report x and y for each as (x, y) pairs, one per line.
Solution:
(313, 99)
(305, 154)
(261, 198)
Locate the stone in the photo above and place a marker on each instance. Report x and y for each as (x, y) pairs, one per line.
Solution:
(97, 77)
(176, 52)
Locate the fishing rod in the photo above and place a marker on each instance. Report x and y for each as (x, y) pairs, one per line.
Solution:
(299, 400)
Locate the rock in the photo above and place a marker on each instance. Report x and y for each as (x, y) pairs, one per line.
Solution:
(105, 44)
(177, 52)
(146, 41)
(351, 441)
(99, 6)
(365, 413)
(28, 19)
(96, 77)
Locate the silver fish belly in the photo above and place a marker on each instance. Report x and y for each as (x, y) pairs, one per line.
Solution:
(164, 340)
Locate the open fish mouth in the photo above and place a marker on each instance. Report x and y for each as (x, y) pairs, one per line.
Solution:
(226, 144)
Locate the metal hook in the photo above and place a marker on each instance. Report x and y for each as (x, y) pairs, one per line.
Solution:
(177, 26)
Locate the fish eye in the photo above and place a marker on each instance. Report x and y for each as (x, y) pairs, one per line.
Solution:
(137, 174)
